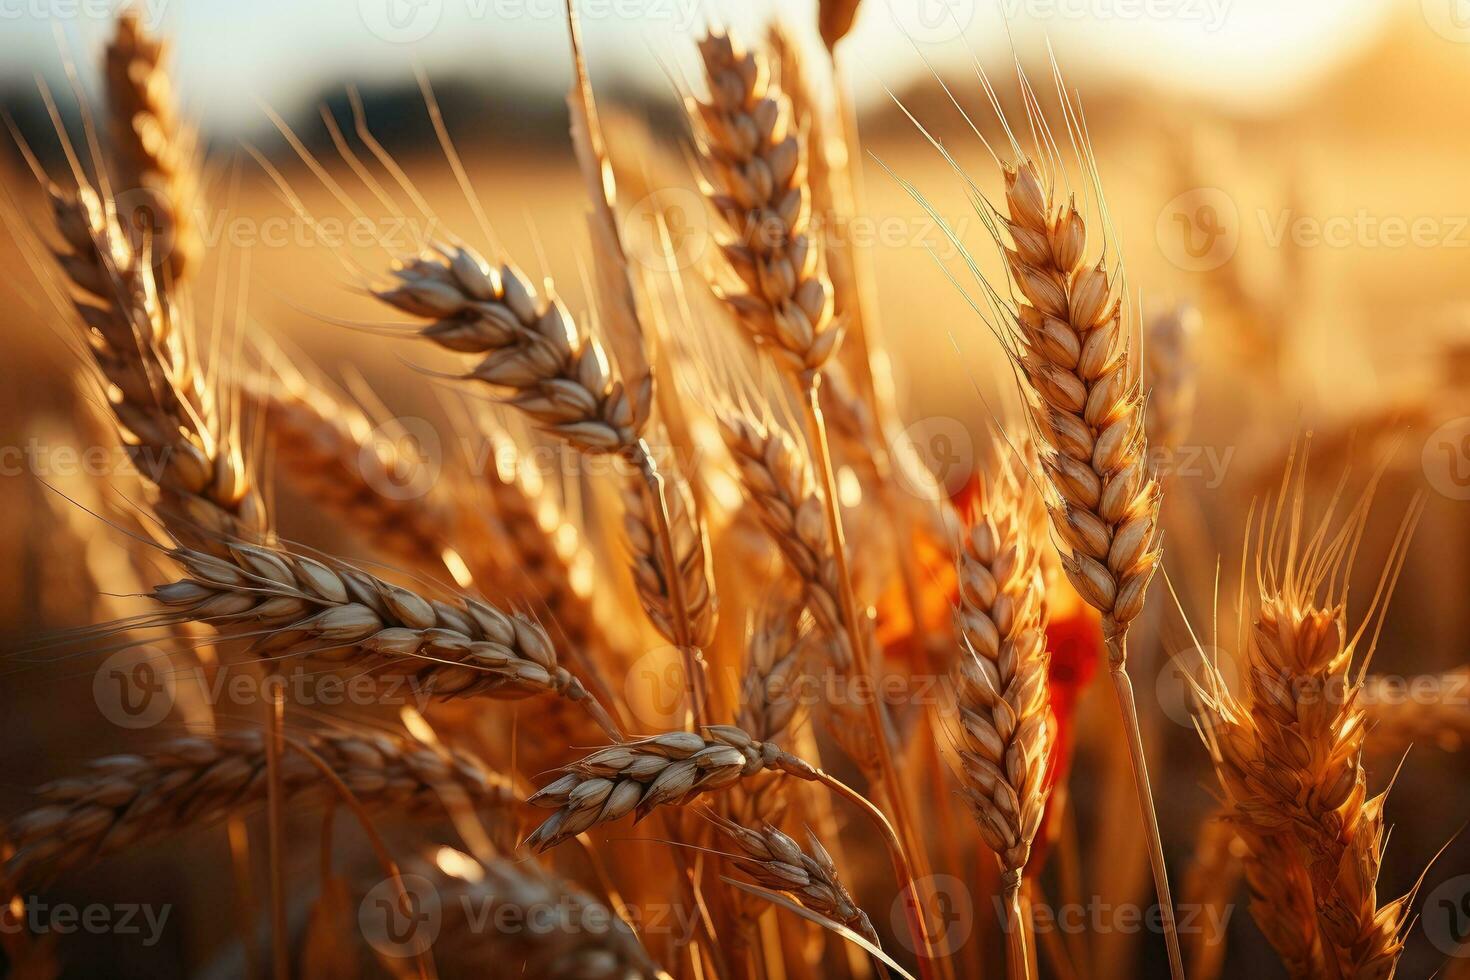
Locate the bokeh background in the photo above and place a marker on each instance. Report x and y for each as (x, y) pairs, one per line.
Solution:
(1294, 172)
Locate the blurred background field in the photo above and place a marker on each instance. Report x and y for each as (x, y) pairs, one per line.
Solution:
(1296, 173)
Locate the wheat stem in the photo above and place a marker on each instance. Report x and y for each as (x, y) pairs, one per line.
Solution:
(694, 686)
(1117, 646)
(893, 787)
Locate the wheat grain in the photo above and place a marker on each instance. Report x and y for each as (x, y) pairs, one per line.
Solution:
(128, 800)
(691, 552)
(1001, 689)
(1080, 382)
(1288, 748)
(1291, 764)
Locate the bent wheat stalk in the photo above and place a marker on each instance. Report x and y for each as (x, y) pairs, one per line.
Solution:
(191, 782)
(1086, 407)
(560, 377)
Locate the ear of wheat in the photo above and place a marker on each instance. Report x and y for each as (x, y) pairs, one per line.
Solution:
(1083, 395)
(1001, 694)
(189, 782)
(330, 613)
(753, 165)
(171, 426)
(809, 875)
(566, 933)
(1288, 749)
(153, 149)
(638, 777)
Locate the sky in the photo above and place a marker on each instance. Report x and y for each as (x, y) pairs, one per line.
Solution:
(234, 56)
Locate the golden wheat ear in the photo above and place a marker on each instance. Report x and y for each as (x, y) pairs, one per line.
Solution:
(189, 782)
(1288, 745)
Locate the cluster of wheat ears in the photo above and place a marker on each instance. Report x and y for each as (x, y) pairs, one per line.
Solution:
(774, 527)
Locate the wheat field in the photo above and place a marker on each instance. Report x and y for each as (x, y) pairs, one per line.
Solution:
(1014, 529)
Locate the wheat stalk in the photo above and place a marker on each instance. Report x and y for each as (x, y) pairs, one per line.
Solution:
(189, 782)
(1291, 763)
(1210, 883)
(1086, 407)
(1001, 695)
(754, 167)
